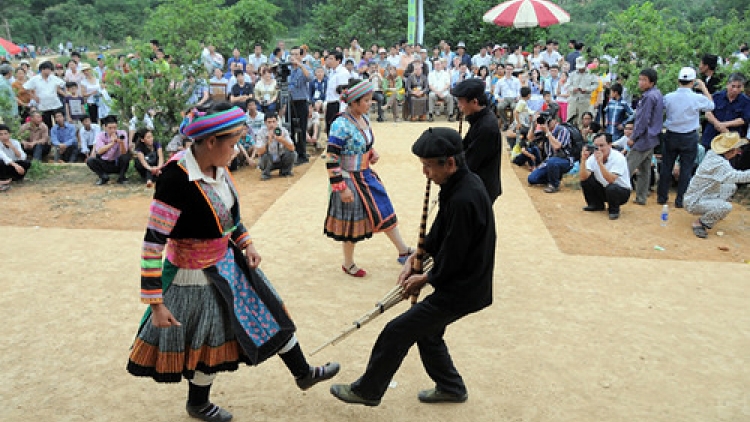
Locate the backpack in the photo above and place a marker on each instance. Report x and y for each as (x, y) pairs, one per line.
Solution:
(576, 141)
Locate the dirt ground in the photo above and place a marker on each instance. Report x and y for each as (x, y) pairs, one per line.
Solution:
(590, 321)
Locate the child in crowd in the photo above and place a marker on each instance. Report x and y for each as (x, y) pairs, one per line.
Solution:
(75, 108)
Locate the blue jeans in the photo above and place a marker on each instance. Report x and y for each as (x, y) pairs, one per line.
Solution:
(550, 172)
(522, 160)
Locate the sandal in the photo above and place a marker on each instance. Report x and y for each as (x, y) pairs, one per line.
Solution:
(354, 271)
(700, 231)
(402, 257)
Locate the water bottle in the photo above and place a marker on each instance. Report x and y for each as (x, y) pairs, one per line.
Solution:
(664, 215)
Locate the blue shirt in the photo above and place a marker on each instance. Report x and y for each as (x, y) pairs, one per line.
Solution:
(648, 120)
(726, 111)
(65, 135)
(683, 109)
(320, 87)
(298, 83)
(231, 61)
(617, 112)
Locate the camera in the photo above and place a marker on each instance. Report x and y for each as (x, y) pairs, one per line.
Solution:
(283, 71)
(277, 131)
(591, 148)
(543, 118)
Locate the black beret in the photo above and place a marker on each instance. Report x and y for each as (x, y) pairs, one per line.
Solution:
(470, 88)
(437, 142)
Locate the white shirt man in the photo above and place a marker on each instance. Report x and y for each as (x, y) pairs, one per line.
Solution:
(46, 86)
(439, 81)
(87, 135)
(257, 59)
(611, 181)
(481, 59)
(550, 55)
(394, 59)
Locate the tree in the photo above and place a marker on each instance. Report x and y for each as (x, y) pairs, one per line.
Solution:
(253, 21)
(640, 38)
(175, 23)
(145, 86)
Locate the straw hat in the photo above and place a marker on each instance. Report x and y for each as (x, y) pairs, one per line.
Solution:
(727, 142)
(84, 66)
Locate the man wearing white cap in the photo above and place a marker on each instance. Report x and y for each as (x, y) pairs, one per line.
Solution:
(461, 52)
(682, 108)
(581, 84)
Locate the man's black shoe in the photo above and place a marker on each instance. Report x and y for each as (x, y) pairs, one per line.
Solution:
(102, 181)
(592, 208)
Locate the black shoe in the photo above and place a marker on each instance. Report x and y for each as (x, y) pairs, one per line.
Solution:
(592, 208)
(290, 174)
(614, 215)
(344, 393)
(122, 180)
(102, 181)
(213, 414)
(639, 202)
(318, 374)
(433, 395)
(380, 119)
(678, 204)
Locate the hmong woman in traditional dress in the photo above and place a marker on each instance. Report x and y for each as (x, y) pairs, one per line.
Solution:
(358, 204)
(211, 308)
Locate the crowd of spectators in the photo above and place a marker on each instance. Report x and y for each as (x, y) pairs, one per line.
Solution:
(559, 111)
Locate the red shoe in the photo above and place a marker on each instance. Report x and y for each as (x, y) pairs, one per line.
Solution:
(354, 271)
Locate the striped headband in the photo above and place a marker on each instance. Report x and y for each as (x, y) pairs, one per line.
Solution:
(197, 125)
(357, 91)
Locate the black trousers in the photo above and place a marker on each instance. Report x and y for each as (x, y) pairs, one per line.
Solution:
(104, 168)
(94, 113)
(597, 195)
(48, 117)
(684, 146)
(424, 324)
(332, 109)
(9, 172)
(299, 127)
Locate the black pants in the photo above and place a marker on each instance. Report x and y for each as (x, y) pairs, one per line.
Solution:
(49, 116)
(299, 127)
(7, 171)
(145, 174)
(685, 146)
(104, 168)
(94, 113)
(597, 195)
(424, 324)
(332, 109)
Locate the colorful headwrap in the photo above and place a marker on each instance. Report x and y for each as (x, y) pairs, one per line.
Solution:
(197, 125)
(357, 91)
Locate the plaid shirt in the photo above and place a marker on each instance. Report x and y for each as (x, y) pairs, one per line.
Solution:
(617, 113)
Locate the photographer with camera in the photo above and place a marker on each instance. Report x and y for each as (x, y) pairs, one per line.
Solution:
(558, 147)
(275, 148)
(112, 150)
(610, 183)
(300, 76)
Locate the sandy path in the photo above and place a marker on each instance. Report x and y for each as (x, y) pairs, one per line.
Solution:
(569, 338)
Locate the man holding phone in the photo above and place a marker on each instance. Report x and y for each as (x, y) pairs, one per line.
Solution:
(112, 153)
(275, 148)
(683, 109)
(610, 183)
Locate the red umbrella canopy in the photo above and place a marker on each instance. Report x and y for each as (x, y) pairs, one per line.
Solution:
(526, 14)
(9, 47)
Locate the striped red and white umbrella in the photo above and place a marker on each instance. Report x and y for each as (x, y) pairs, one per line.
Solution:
(527, 14)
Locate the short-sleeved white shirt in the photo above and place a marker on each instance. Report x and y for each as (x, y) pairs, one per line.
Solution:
(616, 164)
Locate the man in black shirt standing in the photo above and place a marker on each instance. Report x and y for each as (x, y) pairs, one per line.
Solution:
(482, 141)
(461, 242)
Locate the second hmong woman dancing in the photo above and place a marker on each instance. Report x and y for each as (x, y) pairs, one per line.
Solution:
(358, 205)
(211, 308)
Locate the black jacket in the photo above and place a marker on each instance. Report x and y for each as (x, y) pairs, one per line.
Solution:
(482, 146)
(462, 244)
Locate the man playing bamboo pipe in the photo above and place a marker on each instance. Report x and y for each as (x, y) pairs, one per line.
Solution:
(461, 242)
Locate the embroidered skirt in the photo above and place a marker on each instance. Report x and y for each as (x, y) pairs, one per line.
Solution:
(229, 313)
(370, 212)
